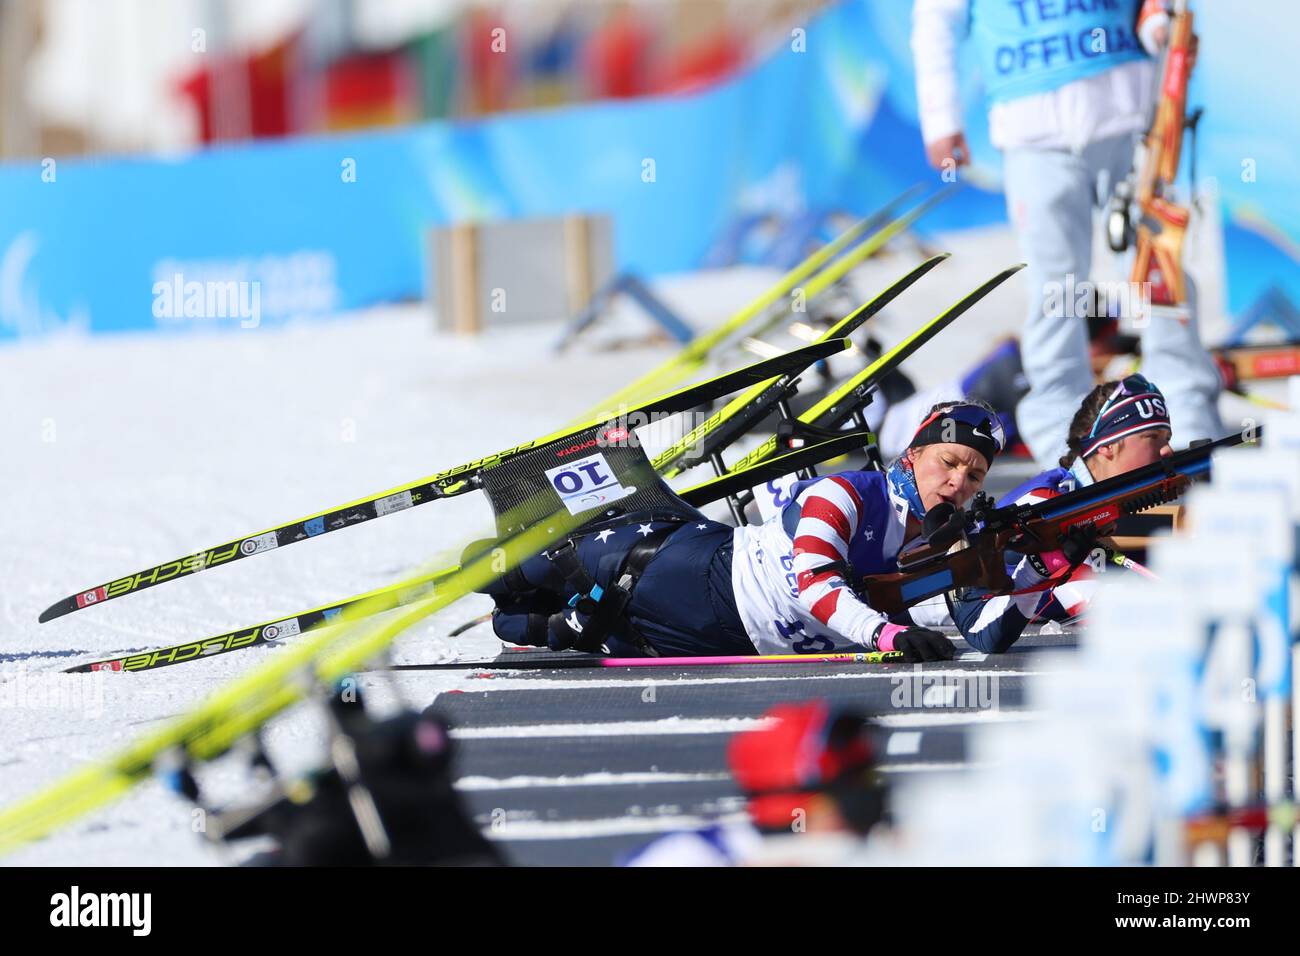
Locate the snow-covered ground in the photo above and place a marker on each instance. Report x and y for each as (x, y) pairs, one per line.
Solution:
(122, 452)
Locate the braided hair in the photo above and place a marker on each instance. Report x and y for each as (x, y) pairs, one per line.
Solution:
(1084, 419)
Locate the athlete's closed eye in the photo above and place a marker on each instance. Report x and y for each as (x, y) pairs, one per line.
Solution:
(974, 474)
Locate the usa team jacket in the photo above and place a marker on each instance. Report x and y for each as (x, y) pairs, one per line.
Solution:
(790, 573)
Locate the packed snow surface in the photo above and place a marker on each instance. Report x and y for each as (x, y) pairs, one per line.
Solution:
(122, 452)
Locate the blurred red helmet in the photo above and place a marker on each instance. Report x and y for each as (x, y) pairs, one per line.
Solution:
(807, 749)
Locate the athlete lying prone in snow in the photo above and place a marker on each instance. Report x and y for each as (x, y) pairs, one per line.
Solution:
(1120, 425)
(654, 584)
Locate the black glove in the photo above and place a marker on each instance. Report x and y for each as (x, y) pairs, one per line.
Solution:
(1079, 542)
(1073, 549)
(923, 644)
(942, 526)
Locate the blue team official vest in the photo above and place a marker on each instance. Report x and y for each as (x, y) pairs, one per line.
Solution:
(1033, 46)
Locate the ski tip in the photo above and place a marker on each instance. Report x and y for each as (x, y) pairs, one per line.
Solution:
(925, 265)
(57, 609)
(1006, 274)
(825, 349)
(815, 351)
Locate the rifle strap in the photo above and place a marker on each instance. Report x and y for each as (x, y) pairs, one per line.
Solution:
(1193, 123)
(1058, 577)
(1064, 576)
(845, 571)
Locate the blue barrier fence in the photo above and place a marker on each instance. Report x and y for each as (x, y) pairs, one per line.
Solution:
(317, 225)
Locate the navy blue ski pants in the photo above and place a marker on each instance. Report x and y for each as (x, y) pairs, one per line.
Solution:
(683, 603)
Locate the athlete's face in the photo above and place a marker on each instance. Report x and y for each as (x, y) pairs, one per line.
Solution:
(948, 472)
(1135, 451)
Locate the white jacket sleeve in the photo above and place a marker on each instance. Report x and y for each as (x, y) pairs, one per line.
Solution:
(938, 27)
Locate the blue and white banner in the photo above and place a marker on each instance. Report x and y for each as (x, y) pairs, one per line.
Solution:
(273, 230)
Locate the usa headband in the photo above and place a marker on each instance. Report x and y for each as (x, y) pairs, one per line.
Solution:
(1135, 405)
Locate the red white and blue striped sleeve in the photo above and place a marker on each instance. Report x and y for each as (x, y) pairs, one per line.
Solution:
(831, 514)
(1035, 495)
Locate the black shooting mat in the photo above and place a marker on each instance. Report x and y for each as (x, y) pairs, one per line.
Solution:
(661, 697)
(584, 766)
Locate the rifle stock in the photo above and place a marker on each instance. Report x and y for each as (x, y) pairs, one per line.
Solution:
(1033, 528)
(974, 566)
(1162, 223)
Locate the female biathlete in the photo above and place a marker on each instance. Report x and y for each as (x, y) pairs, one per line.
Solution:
(650, 584)
(1121, 425)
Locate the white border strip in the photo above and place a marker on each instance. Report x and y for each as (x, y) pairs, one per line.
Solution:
(726, 725)
(602, 827)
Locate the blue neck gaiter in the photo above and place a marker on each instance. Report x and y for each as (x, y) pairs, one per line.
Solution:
(903, 482)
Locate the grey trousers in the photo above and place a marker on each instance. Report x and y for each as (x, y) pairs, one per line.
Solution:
(1051, 194)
